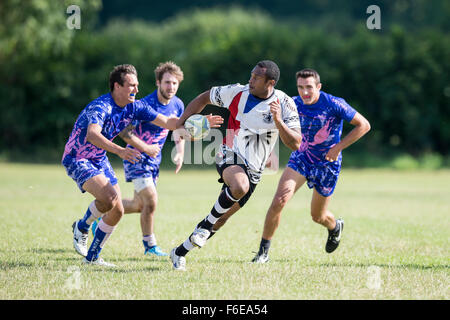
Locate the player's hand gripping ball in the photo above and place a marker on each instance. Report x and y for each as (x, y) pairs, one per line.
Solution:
(197, 126)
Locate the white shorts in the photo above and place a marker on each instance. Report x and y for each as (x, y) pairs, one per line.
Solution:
(142, 183)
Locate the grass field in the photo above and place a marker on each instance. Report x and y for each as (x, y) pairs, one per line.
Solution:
(395, 244)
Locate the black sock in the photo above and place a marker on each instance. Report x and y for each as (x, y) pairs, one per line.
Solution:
(205, 224)
(181, 251)
(212, 233)
(225, 201)
(264, 246)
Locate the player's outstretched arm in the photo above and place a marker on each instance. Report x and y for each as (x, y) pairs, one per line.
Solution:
(165, 122)
(194, 107)
(362, 126)
(94, 136)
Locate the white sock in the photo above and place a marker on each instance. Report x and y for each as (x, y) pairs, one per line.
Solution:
(95, 214)
(151, 240)
(187, 244)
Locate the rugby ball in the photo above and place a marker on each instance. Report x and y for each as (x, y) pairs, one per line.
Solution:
(197, 126)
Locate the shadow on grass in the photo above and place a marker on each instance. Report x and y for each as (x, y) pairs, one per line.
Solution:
(50, 250)
(145, 259)
(119, 269)
(330, 264)
(61, 255)
(9, 265)
(384, 265)
(76, 259)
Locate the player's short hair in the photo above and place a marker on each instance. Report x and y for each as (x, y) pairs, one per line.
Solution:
(306, 73)
(170, 67)
(118, 74)
(272, 70)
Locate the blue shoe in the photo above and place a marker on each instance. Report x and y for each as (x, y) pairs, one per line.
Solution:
(94, 226)
(156, 250)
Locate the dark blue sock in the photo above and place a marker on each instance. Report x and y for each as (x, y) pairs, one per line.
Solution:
(264, 246)
(95, 248)
(82, 225)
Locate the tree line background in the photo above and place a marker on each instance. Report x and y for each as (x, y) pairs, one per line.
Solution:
(398, 77)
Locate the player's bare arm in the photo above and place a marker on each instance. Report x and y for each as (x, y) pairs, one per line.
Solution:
(362, 126)
(129, 137)
(292, 138)
(179, 146)
(165, 122)
(194, 107)
(94, 136)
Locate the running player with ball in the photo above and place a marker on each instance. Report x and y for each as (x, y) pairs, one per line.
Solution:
(317, 162)
(259, 113)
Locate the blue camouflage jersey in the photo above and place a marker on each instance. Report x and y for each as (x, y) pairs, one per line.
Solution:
(321, 125)
(152, 134)
(112, 118)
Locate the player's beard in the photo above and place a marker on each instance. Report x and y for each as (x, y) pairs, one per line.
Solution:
(164, 95)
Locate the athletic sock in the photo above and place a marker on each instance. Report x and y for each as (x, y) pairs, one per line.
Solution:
(222, 205)
(102, 234)
(149, 241)
(184, 248)
(187, 245)
(90, 216)
(212, 233)
(264, 246)
(336, 228)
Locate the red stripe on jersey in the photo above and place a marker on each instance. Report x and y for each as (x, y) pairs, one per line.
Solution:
(233, 124)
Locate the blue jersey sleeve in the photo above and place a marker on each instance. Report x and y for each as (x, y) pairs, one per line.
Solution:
(96, 114)
(342, 109)
(180, 105)
(144, 112)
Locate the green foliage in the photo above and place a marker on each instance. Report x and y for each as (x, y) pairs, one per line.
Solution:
(397, 78)
(432, 161)
(331, 14)
(36, 71)
(405, 162)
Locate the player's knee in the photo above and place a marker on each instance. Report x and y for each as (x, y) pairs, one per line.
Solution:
(239, 190)
(320, 219)
(280, 200)
(148, 208)
(109, 201)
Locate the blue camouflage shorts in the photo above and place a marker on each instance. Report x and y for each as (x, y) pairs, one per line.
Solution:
(141, 169)
(321, 177)
(81, 170)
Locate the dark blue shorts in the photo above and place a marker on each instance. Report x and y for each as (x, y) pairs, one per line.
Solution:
(81, 170)
(141, 169)
(323, 178)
